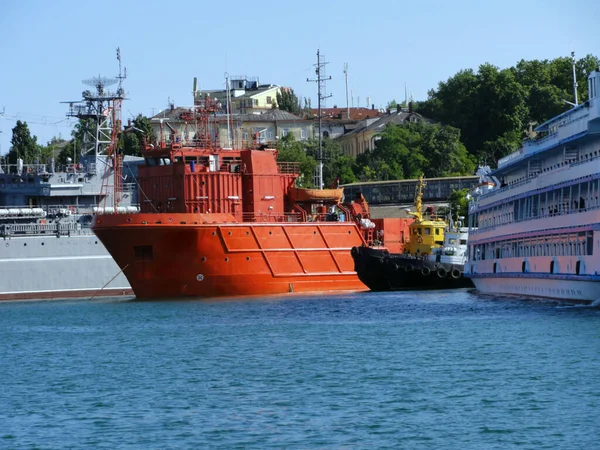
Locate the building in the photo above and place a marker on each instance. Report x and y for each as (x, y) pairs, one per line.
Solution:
(247, 96)
(364, 135)
(335, 121)
(245, 130)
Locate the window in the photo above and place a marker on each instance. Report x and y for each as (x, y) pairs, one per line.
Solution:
(142, 253)
(303, 134)
(285, 132)
(269, 100)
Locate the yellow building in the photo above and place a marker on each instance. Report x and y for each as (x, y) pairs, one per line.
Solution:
(367, 132)
(247, 96)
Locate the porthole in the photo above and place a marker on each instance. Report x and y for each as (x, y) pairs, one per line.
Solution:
(230, 233)
(226, 259)
(214, 233)
(25, 244)
(204, 258)
(247, 258)
(270, 232)
(42, 243)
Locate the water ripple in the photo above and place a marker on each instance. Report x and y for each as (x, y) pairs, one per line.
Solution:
(409, 370)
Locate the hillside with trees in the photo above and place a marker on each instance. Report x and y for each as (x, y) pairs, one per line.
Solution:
(493, 107)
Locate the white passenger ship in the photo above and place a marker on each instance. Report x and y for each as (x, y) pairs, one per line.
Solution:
(534, 222)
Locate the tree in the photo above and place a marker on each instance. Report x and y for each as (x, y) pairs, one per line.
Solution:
(406, 151)
(336, 165)
(83, 135)
(131, 140)
(459, 204)
(493, 108)
(288, 101)
(291, 150)
(23, 145)
(391, 106)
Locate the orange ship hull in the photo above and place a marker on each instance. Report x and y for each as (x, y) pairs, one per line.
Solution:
(205, 255)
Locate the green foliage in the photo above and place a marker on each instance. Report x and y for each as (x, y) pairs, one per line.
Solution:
(408, 150)
(131, 140)
(288, 101)
(23, 145)
(291, 150)
(83, 134)
(336, 165)
(459, 205)
(493, 108)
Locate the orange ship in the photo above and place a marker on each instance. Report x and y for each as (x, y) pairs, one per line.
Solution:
(222, 222)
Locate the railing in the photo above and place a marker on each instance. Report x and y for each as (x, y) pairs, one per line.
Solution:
(292, 217)
(24, 169)
(33, 229)
(289, 167)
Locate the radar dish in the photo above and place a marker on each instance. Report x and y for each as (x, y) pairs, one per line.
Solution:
(100, 81)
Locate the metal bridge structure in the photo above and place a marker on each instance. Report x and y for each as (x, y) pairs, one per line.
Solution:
(402, 192)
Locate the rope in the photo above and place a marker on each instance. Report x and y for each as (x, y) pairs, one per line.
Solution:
(110, 281)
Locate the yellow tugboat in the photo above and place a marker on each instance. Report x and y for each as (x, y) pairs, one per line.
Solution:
(433, 259)
(426, 233)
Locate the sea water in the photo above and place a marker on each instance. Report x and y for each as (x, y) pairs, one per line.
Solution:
(414, 370)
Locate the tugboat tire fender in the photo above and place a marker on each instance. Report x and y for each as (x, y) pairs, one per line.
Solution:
(441, 272)
(425, 271)
(354, 251)
(409, 267)
(455, 274)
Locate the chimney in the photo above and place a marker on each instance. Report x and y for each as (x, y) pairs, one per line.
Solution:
(373, 106)
(398, 108)
(172, 106)
(410, 107)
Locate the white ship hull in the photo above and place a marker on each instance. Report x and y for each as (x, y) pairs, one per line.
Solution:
(584, 291)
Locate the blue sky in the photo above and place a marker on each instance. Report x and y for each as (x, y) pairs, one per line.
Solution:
(48, 47)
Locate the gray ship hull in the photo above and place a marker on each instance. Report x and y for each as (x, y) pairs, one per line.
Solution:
(43, 267)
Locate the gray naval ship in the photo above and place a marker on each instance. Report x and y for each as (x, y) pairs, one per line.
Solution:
(47, 248)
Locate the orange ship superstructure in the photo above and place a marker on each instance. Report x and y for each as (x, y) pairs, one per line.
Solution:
(223, 222)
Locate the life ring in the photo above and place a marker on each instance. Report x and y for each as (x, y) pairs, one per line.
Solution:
(425, 271)
(420, 239)
(455, 274)
(441, 272)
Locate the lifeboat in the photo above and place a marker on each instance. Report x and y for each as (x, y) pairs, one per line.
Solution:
(312, 195)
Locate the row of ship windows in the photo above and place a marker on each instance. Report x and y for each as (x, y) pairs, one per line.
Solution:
(566, 200)
(568, 244)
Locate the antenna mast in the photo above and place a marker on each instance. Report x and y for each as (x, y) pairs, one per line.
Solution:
(574, 77)
(347, 104)
(99, 145)
(320, 80)
(228, 102)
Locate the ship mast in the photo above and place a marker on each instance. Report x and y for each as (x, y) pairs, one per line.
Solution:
(418, 214)
(574, 77)
(321, 96)
(100, 142)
